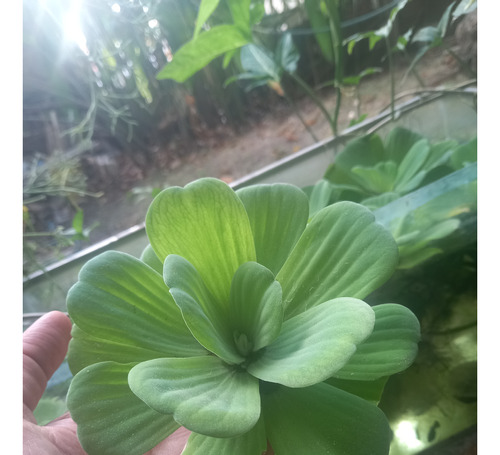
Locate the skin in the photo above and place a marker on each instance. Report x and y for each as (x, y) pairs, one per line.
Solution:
(45, 344)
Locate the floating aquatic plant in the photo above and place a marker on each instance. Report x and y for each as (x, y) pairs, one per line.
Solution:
(242, 321)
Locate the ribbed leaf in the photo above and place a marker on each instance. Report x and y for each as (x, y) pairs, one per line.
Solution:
(207, 321)
(323, 420)
(203, 393)
(342, 252)
(391, 348)
(148, 256)
(379, 178)
(200, 51)
(252, 443)
(320, 196)
(206, 223)
(85, 349)
(256, 310)
(315, 344)
(278, 215)
(120, 299)
(368, 390)
(398, 142)
(111, 419)
(411, 164)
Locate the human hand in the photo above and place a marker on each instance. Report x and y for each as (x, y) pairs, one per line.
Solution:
(45, 344)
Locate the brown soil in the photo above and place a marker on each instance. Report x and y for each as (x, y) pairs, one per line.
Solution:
(277, 134)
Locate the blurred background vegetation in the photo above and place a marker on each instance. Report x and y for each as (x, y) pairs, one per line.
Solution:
(96, 117)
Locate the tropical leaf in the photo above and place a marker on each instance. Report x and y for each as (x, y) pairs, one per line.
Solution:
(200, 51)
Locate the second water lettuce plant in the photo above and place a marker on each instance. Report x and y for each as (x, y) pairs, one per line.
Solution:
(242, 321)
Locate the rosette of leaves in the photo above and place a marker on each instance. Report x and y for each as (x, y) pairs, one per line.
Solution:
(243, 322)
(375, 174)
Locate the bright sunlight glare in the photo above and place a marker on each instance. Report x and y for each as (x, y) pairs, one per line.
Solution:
(116, 8)
(406, 434)
(72, 29)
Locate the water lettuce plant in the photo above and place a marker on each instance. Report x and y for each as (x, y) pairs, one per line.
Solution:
(375, 173)
(242, 321)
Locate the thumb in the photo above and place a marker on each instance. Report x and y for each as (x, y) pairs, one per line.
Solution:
(45, 344)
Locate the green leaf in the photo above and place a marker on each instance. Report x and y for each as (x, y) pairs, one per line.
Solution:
(148, 256)
(257, 12)
(240, 10)
(278, 214)
(464, 154)
(368, 390)
(391, 348)
(323, 420)
(199, 52)
(380, 200)
(379, 178)
(320, 196)
(429, 35)
(206, 318)
(207, 7)
(319, 22)
(287, 54)
(252, 443)
(398, 142)
(444, 21)
(411, 256)
(464, 7)
(256, 311)
(364, 151)
(203, 393)
(315, 344)
(78, 222)
(342, 252)
(228, 56)
(410, 166)
(260, 61)
(207, 224)
(85, 349)
(439, 154)
(355, 80)
(122, 301)
(110, 418)
(48, 409)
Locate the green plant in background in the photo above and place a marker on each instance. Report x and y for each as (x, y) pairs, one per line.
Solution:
(219, 40)
(430, 37)
(327, 13)
(374, 36)
(376, 173)
(266, 68)
(241, 317)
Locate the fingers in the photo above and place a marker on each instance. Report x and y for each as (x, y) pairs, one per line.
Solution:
(45, 344)
(173, 445)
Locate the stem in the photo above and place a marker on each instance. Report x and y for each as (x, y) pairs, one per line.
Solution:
(313, 96)
(297, 113)
(336, 35)
(391, 71)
